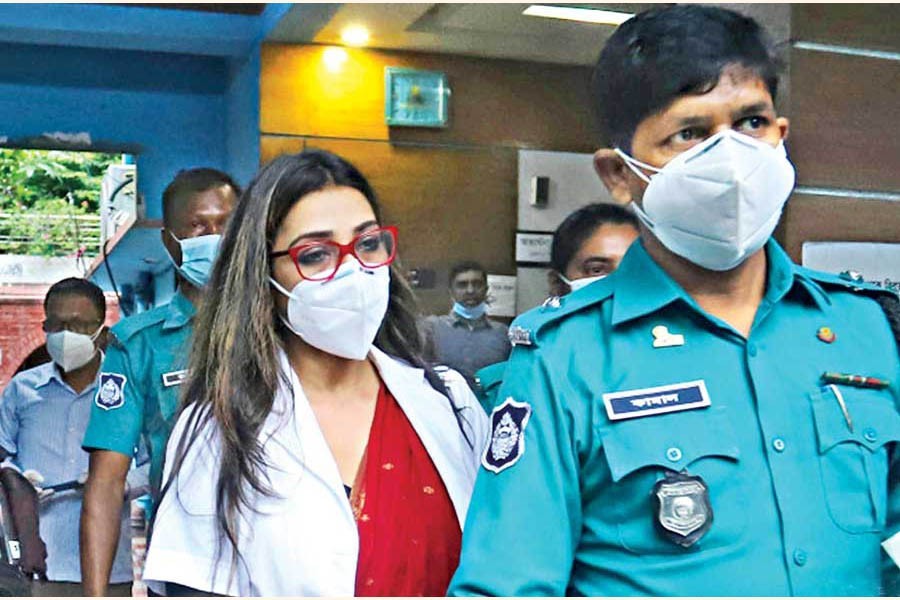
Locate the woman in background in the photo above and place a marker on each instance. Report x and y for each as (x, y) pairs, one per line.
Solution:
(317, 454)
(589, 245)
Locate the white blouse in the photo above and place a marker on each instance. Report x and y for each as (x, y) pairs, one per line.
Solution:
(303, 542)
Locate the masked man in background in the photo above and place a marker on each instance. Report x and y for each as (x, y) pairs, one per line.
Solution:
(146, 363)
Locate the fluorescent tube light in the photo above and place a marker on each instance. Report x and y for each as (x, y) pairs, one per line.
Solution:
(585, 15)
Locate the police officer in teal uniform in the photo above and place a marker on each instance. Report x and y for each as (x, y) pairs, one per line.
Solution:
(145, 364)
(710, 419)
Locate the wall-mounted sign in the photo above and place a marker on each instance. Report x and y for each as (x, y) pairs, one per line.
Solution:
(878, 263)
(501, 295)
(533, 248)
(414, 98)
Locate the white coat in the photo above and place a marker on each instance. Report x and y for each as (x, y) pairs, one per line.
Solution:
(305, 541)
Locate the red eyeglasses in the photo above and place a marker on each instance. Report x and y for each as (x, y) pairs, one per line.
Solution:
(319, 261)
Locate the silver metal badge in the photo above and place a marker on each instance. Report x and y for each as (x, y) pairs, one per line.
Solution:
(519, 336)
(683, 509)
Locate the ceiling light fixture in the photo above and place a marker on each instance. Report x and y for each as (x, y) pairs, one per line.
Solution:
(355, 35)
(585, 15)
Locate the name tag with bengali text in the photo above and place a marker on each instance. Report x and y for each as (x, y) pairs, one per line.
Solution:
(658, 400)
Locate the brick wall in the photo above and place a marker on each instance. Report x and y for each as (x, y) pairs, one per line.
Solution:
(21, 315)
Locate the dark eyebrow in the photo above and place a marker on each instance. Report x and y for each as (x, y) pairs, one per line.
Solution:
(688, 122)
(319, 235)
(751, 109)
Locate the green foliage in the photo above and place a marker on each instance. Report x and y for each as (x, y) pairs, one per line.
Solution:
(36, 214)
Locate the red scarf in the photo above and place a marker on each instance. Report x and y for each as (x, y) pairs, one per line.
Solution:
(409, 537)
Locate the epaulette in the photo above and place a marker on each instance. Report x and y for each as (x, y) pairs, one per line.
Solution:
(886, 298)
(129, 326)
(487, 384)
(526, 328)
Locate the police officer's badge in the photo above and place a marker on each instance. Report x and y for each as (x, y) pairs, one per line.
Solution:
(111, 392)
(519, 336)
(683, 511)
(508, 422)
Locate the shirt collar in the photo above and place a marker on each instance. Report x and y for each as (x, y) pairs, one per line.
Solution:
(50, 371)
(180, 311)
(479, 323)
(643, 287)
(47, 373)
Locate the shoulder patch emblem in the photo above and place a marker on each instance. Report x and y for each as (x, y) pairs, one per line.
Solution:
(111, 392)
(508, 422)
(519, 336)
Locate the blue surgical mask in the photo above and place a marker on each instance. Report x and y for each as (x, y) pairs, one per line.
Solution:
(197, 257)
(476, 312)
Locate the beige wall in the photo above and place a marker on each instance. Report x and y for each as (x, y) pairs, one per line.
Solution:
(844, 115)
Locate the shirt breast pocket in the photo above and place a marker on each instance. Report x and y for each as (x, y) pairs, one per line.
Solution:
(640, 451)
(853, 461)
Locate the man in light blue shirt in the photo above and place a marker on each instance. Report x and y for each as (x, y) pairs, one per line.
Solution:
(44, 412)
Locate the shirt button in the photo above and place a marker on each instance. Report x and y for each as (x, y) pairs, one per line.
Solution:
(870, 434)
(778, 444)
(800, 558)
(751, 349)
(673, 454)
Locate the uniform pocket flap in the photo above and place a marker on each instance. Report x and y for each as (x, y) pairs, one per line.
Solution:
(671, 441)
(871, 414)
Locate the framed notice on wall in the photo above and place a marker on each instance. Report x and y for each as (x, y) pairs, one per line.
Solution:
(533, 248)
(877, 263)
(501, 295)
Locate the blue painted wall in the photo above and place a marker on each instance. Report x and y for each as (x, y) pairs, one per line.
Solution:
(177, 88)
(242, 117)
(169, 109)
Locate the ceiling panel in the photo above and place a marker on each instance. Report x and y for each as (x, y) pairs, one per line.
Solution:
(486, 30)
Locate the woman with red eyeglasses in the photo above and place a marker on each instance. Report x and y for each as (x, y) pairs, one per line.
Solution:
(316, 453)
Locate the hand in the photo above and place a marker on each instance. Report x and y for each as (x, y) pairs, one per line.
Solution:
(35, 478)
(33, 561)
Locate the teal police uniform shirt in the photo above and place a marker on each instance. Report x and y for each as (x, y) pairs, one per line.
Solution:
(487, 384)
(800, 499)
(140, 381)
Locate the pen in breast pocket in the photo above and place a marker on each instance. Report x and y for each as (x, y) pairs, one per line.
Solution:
(855, 380)
(843, 405)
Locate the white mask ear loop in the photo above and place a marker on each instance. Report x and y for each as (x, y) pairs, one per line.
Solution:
(97, 333)
(279, 287)
(634, 165)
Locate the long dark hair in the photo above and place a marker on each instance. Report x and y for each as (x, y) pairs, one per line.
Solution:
(234, 368)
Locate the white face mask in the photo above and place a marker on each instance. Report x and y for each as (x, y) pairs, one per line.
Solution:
(340, 316)
(71, 350)
(577, 284)
(719, 202)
